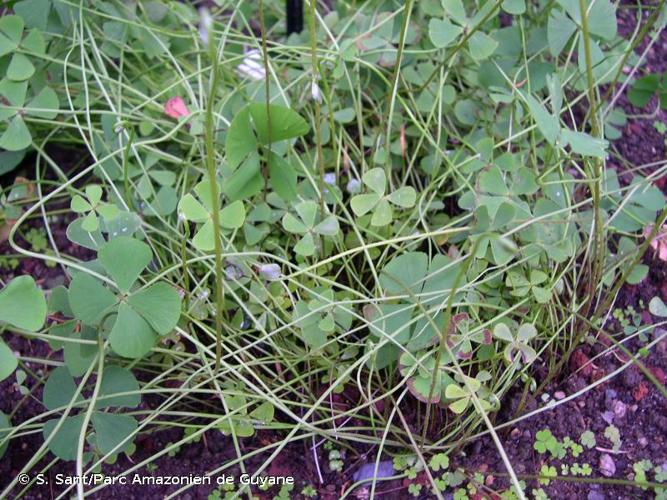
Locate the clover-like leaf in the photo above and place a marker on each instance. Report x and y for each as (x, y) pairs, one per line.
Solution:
(248, 134)
(78, 356)
(65, 440)
(442, 32)
(22, 304)
(404, 197)
(424, 384)
(546, 122)
(378, 202)
(364, 203)
(89, 299)
(135, 317)
(375, 180)
(159, 305)
(481, 45)
(8, 361)
(59, 389)
(263, 413)
(91, 205)
(382, 213)
(584, 144)
(308, 224)
(111, 430)
(119, 388)
(439, 461)
(131, 336)
(17, 136)
(192, 209)
(657, 307)
(200, 210)
(285, 123)
(320, 317)
(20, 68)
(518, 348)
(124, 258)
(460, 396)
(462, 334)
(11, 30)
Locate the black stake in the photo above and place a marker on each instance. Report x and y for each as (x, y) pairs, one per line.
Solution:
(294, 11)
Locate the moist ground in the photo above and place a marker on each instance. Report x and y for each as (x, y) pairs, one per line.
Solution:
(629, 401)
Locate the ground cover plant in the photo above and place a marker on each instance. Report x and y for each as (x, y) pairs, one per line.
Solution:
(366, 255)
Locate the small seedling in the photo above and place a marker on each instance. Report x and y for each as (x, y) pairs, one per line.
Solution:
(613, 434)
(575, 448)
(285, 492)
(414, 489)
(439, 462)
(309, 491)
(461, 494)
(581, 470)
(545, 441)
(547, 472)
(587, 439)
(641, 468)
(336, 460)
(540, 494)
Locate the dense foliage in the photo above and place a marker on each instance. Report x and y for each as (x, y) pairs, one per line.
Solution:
(409, 200)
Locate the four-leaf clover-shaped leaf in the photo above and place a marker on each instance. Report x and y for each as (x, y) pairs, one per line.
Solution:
(523, 285)
(378, 201)
(241, 422)
(44, 104)
(14, 84)
(309, 224)
(443, 32)
(93, 206)
(137, 315)
(249, 135)
(118, 388)
(11, 38)
(424, 383)
(462, 333)
(320, 317)
(462, 396)
(200, 211)
(517, 343)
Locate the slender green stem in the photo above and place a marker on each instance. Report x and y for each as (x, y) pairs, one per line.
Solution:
(126, 167)
(209, 140)
(394, 88)
(596, 177)
(89, 412)
(445, 331)
(312, 28)
(265, 56)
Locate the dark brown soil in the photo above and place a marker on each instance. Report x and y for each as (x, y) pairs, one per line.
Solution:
(630, 401)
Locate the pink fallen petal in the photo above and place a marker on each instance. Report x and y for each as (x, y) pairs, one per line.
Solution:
(663, 252)
(176, 108)
(659, 243)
